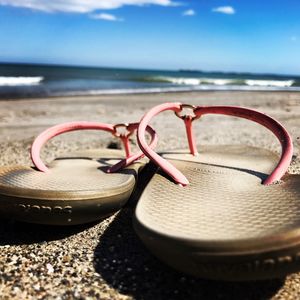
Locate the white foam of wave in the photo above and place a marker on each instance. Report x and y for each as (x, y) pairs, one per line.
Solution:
(203, 87)
(275, 83)
(221, 81)
(181, 81)
(217, 81)
(196, 81)
(13, 81)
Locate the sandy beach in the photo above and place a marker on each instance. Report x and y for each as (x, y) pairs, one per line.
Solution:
(106, 260)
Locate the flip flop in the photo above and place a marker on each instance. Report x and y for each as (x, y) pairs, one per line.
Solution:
(226, 218)
(79, 188)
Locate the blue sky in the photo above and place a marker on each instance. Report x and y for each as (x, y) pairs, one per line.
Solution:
(254, 36)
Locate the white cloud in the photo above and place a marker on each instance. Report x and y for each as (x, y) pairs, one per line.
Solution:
(189, 12)
(106, 17)
(82, 6)
(228, 10)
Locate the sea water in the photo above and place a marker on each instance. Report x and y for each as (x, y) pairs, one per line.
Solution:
(32, 80)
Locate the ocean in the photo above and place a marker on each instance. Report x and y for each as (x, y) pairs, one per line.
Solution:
(32, 80)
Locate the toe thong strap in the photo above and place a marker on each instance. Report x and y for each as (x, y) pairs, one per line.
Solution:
(278, 130)
(51, 132)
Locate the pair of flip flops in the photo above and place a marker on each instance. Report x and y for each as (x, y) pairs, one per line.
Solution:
(227, 212)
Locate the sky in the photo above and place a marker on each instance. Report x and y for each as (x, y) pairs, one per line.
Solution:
(211, 35)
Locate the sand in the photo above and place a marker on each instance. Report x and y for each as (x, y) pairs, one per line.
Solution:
(105, 259)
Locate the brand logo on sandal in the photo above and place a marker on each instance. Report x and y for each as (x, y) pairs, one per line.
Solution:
(44, 209)
(267, 264)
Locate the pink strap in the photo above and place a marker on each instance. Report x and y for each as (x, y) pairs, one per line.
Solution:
(130, 158)
(51, 132)
(265, 120)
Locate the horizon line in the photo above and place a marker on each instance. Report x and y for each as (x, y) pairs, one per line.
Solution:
(146, 69)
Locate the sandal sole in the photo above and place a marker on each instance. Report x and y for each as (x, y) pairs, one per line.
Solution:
(75, 190)
(225, 224)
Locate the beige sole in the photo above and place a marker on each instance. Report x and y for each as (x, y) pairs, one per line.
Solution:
(75, 190)
(225, 224)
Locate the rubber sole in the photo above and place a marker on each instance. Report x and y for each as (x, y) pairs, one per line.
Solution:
(225, 224)
(75, 190)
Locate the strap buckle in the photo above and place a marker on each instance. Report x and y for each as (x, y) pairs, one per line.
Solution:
(186, 107)
(123, 130)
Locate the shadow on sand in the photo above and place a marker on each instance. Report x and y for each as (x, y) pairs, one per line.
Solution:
(126, 265)
(19, 233)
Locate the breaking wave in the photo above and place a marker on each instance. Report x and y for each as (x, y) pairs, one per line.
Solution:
(219, 81)
(275, 83)
(15, 81)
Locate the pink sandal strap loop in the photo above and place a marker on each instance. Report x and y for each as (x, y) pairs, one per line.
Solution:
(274, 126)
(152, 155)
(253, 115)
(51, 132)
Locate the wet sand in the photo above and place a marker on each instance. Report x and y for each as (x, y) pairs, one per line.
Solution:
(106, 260)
